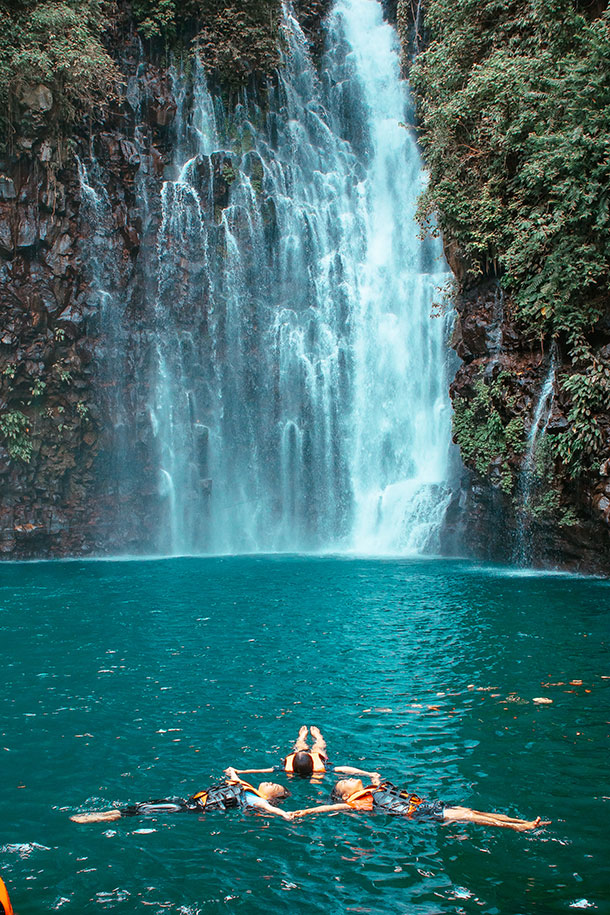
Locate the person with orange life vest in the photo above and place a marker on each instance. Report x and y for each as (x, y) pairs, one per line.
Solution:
(233, 793)
(5, 903)
(308, 762)
(351, 794)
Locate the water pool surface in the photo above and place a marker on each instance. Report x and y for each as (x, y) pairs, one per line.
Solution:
(132, 680)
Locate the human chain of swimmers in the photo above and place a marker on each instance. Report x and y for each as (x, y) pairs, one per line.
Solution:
(348, 794)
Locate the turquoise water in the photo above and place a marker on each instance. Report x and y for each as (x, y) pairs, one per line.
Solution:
(126, 681)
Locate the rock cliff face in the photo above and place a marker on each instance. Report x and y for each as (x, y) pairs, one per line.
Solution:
(50, 435)
(511, 504)
(53, 421)
(62, 387)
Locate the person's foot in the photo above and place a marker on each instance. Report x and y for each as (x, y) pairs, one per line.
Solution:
(303, 732)
(315, 732)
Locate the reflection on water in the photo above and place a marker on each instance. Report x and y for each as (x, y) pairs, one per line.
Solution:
(130, 681)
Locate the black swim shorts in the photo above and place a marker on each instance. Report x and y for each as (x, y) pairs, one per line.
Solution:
(429, 810)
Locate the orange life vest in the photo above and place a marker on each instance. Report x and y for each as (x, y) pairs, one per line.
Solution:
(5, 902)
(362, 799)
(319, 762)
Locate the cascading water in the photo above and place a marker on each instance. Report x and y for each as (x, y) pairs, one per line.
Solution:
(537, 429)
(494, 332)
(295, 382)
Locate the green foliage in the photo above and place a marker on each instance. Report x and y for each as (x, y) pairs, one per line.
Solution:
(589, 393)
(544, 505)
(514, 99)
(543, 498)
(568, 518)
(240, 37)
(15, 431)
(55, 44)
(155, 18)
(38, 388)
(228, 172)
(482, 434)
(234, 39)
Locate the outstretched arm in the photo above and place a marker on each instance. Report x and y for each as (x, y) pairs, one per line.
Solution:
(321, 808)
(232, 775)
(375, 777)
(247, 771)
(261, 804)
(102, 816)
(466, 815)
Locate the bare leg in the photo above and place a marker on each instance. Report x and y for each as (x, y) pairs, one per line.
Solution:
(466, 815)
(319, 742)
(301, 741)
(102, 816)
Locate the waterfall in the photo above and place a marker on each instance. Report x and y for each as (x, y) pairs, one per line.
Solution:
(292, 375)
(106, 301)
(537, 429)
(494, 331)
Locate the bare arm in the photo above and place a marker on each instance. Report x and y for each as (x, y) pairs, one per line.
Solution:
(102, 816)
(375, 777)
(246, 771)
(261, 804)
(232, 775)
(321, 808)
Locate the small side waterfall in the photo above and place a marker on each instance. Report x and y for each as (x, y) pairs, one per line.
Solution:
(536, 432)
(494, 332)
(292, 377)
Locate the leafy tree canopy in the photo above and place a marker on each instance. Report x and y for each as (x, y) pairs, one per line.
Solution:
(514, 99)
(56, 44)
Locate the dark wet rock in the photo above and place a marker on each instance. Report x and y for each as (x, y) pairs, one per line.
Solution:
(36, 98)
(482, 519)
(7, 188)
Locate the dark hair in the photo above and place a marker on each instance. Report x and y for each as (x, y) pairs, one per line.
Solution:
(335, 796)
(302, 764)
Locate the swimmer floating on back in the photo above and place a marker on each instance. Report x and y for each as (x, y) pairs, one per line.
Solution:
(305, 762)
(233, 793)
(351, 794)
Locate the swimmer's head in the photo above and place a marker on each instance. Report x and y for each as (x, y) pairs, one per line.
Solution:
(302, 764)
(344, 789)
(272, 792)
